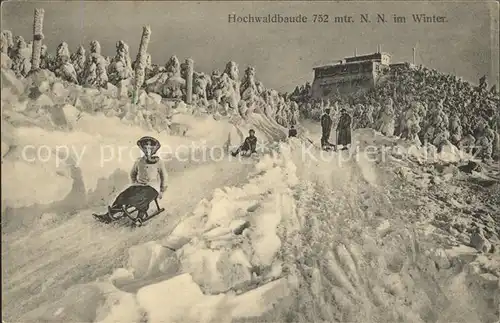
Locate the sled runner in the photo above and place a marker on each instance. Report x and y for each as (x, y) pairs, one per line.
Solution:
(132, 203)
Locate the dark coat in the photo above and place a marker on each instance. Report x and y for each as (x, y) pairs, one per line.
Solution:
(250, 144)
(326, 123)
(139, 196)
(344, 130)
(326, 128)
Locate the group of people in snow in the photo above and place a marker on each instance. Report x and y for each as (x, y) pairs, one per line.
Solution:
(422, 105)
(343, 130)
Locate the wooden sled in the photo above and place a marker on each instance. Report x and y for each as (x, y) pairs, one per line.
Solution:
(116, 213)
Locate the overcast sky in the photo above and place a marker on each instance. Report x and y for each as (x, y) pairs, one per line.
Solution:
(283, 54)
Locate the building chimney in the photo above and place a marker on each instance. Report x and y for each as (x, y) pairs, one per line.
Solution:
(355, 52)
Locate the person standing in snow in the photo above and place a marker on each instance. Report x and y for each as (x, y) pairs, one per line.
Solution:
(249, 146)
(344, 129)
(326, 128)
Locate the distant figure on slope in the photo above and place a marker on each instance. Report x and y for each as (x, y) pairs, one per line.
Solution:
(326, 128)
(148, 176)
(249, 146)
(292, 132)
(344, 129)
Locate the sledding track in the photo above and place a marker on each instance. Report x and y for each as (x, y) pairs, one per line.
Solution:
(76, 250)
(349, 266)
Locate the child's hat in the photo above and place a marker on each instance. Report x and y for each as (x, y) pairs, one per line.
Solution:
(152, 141)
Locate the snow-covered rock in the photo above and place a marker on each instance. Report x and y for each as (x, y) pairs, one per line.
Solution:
(451, 153)
(40, 76)
(44, 87)
(113, 90)
(59, 90)
(71, 114)
(91, 92)
(187, 302)
(43, 101)
(85, 104)
(124, 86)
(150, 258)
(441, 259)
(5, 61)
(156, 97)
(143, 99)
(98, 302)
(9, 80)
(478, 241)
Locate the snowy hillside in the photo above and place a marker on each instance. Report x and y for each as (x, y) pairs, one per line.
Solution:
(301, 244)
(387, 232)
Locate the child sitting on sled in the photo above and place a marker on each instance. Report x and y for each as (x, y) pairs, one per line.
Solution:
(148, 176)
(249, 146)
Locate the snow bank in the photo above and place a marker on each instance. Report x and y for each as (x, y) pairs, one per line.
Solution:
(29, 183)
(59, 128)
(101, 148)
(226, 267)
(232, 246)
(84, 140)
(190, 304)
(398, 147)
(232, 236)
(97, 302)
(98, 147)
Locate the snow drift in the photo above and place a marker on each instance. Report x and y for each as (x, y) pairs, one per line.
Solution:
(225, 247)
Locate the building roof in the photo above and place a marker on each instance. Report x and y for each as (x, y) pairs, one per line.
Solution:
(353, 60)
(366, 56)
(339, 64)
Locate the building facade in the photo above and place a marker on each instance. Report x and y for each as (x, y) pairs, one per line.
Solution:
(349, 75)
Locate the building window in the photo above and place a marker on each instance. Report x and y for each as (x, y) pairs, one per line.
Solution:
(367, 68)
